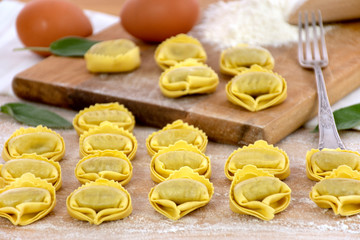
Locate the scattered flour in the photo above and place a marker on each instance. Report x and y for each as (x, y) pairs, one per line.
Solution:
(255, 22)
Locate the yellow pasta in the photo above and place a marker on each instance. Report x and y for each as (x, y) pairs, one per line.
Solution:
(176, 131)
(108, 136)
(99, 201)
(256, 89)
(236, 59)
(40, 140)
(120, 55)
(2, 183)
(92, 116)
(181, 193)
(258, 193)
(181, 154)
(340, 191)
(320, 163)
(186, 78)
(177, 49)
(108, 164)
(264, 156)
(27, 200)
(40, 166)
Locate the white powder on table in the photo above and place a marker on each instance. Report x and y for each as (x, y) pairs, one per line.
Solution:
(255, 22)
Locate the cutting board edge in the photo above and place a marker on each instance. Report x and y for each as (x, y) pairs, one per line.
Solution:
(77, 99)
(38, 91)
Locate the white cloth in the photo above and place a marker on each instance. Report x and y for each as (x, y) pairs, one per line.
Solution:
(12, 62)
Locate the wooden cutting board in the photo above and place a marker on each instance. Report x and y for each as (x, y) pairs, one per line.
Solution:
(66, 82)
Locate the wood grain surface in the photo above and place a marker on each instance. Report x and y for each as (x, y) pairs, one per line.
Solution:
(65, 82)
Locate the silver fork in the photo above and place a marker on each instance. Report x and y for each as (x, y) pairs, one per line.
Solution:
(312, 53)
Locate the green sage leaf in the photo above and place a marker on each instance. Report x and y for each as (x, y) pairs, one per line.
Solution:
(34, 116)
(71, 46)
(347, 117)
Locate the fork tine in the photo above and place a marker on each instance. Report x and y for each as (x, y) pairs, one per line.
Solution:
(308, 52)
(322, 37)
(300, 45)
(311, 42)
(315, 38)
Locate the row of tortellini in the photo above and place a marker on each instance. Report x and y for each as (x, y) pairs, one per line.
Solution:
(256, 172)
(107, 147)
(181, 168)
(183, 58)
(180, 145)
(31, 174)
(163, 145)
(337, 173)
(254, 85)
(32, 167)
(177, 152)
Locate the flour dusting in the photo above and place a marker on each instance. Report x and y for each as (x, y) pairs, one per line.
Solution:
(255, 22)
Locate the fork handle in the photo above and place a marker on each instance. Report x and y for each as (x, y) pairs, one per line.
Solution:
(328, 134)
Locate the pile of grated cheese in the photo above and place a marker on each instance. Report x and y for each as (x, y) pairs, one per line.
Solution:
(254, 22)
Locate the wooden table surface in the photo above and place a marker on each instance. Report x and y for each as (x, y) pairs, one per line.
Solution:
(301, 220)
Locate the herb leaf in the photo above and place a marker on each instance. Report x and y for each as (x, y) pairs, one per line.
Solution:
(33, 116)
(346, 118)
(71, 46)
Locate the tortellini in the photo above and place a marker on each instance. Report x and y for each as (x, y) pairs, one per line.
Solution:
(176, 156)
(171, 133)
(40, 166)
(264, 156)
(92, 116)
(188, 77)
(340, 191)
(108, 136)
(99, 201)
(108, 164)
(256, 89)
(40, 140)
(181, 193)
(241, 57)
(177, 49)
(320, 163)
(2, 183)
(27, 200)
(258, 193)
(120, 55)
